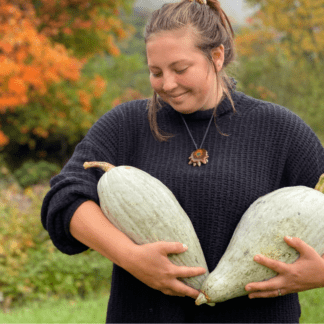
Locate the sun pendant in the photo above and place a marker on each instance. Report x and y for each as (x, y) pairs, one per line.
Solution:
(199, 156)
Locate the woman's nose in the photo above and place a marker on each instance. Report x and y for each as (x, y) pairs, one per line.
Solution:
(169, 83)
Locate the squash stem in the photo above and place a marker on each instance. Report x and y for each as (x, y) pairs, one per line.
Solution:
(201, 299)
(104, 166)
(320, 184)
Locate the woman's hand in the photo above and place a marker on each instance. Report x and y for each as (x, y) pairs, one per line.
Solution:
(304, 274)
(150, 264)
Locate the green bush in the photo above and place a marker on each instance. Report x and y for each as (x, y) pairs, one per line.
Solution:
(31, 173)
(284, 82)
(30, 266)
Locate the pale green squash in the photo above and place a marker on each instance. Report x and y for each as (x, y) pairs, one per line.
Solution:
(291, 211)
(145, 210)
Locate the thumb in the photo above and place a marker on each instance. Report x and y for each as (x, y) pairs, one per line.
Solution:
(173, 247)
(299, 245)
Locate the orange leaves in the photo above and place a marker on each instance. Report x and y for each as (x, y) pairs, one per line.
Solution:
(99, 85)
(44, 45)
(85, 100)
(70, 16)
(10, 102)
(4, 140)
(67, 31)
(16, 85)
(298, 24)
(6, 48)
(7, 66)
(16, 94)
(21, 54)
(29, 63)
(51, 75)
(256, 41)
(41, 132)
(111, 47)
(121, 33)
(33, 77)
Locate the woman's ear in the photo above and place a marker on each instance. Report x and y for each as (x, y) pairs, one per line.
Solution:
(218, 57)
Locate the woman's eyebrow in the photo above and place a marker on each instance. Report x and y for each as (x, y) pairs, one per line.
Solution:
(152, 66)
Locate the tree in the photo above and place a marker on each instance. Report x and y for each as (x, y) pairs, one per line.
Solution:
(281, 55)
(44, 47)
(295, 26)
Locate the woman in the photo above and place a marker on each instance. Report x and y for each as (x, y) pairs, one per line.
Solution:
(251, 148)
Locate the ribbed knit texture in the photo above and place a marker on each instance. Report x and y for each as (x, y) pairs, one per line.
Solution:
(267, 147)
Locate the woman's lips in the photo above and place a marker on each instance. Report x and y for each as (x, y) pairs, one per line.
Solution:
(178, 98)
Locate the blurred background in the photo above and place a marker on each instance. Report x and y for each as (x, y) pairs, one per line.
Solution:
(65, 63)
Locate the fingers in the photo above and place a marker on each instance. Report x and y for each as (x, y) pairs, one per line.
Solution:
(299, 245)
(181, 271)
(186, 272)
(151, 265)
(172, 284)
(275, 265)
(268, 294)
(172, 247)
(180, 289)
(278, 266)
(265, 286)
(294, 277)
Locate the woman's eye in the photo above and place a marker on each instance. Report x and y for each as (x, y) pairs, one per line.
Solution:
(180, 72)
(159, 74)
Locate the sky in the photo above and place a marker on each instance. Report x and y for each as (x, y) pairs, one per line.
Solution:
(235, 9)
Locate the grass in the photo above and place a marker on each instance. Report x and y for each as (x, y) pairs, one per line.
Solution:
(89, 310)
(93, 310)
(312, 302)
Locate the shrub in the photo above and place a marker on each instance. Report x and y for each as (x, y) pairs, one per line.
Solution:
(31, 173)
(30, 266)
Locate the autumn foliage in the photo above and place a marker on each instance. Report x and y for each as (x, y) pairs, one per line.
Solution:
(294, 27)
(281, 53)
(44, 45)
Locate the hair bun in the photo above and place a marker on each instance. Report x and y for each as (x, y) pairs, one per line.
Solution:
(200, 1)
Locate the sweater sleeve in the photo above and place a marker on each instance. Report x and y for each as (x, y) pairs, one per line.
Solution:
(75, 185)
(305, 160)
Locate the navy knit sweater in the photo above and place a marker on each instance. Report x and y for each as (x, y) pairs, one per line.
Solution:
(268, 147)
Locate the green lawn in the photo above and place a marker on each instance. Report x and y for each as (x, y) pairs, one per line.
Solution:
(312, 305)
(60, 311)
(93, 310)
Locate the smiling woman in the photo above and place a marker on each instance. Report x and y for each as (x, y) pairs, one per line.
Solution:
(189, 46)
(194, 87)
(191, 75)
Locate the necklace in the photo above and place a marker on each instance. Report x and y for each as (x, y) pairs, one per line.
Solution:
(200, 155)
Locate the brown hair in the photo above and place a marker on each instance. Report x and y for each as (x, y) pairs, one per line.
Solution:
(210, 27)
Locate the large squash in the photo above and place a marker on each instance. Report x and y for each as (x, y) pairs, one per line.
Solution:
(292, 211)
(145, 210)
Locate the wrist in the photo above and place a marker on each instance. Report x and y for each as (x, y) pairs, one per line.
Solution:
(124, 254)
(129, 257)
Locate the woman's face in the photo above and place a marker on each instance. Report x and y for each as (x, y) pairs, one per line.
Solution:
(180, 74)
